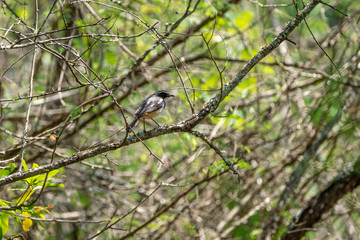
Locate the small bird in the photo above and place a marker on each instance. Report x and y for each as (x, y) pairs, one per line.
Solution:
(150, 107)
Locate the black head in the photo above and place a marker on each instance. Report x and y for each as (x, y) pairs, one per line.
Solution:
(163, 94)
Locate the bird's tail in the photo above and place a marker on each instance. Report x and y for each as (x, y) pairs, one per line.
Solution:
(133, 123)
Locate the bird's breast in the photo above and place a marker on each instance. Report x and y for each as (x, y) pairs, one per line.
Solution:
(152, 114)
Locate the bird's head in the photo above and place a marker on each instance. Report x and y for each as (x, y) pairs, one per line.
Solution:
(163, 94)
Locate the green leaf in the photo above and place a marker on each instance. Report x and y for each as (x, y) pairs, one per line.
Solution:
(51, 174)
(56, 185)
(248, 84)
(24, 197)
(7, 170)
(24, 165)
(111, 57)
(256, 232)
(4, 223)
(244, 165)
(279, 232)
(244, 19)
(247, 149)
(35, 165)
(310, 235)
(4, 203)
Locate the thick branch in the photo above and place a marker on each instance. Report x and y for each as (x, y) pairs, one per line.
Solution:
(294, 180)
(184, 126)
(345, 182)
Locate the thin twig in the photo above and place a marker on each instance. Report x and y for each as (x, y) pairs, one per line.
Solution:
(31, 87)
(270, 5)
(217, 68)
(170, 205)
(150, 152)
(326, 4)
(317, 43)
(108, 225)
(217, 150)
(183, 126)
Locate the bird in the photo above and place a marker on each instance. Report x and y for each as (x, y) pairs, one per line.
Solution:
(149, 108)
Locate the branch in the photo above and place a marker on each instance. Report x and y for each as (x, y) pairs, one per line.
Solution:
(31, 88)
(184, 126)
(295, 177)
(217, 150)
(170, 205)
(134, 69)
(345, 182)
(110, 224)
(225, 7)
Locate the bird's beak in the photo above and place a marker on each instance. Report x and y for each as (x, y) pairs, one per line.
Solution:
(170, 95)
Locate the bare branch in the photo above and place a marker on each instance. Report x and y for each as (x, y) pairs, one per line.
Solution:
(183, 126)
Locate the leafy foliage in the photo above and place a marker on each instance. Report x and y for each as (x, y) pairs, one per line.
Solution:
(95, 61)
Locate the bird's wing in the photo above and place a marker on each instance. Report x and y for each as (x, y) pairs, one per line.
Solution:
(149, 105)
(142, 106)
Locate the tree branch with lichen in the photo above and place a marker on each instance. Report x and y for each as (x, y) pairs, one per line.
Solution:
(183, 126)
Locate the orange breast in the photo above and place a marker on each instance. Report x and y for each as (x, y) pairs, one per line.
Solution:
(150, 115)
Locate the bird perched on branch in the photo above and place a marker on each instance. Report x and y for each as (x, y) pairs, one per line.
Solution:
(150, 107)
